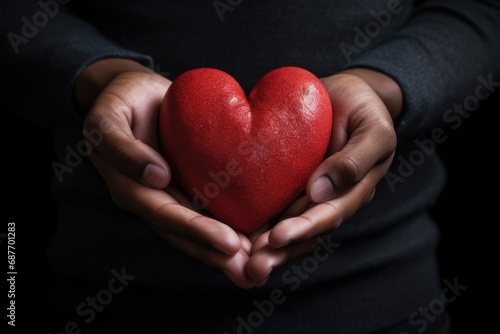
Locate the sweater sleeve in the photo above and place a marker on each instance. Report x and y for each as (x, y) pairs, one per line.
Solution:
(44, 49)
(445, 51)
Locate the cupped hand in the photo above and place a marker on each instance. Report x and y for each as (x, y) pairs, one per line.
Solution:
(125, 113)
(361, 150)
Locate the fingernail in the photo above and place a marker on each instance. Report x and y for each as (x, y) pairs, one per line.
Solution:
(321, 189)
(154, 175)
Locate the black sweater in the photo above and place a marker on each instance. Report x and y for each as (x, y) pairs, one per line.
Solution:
(379, 267)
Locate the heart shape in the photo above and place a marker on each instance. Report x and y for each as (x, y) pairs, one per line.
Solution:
(243, 159)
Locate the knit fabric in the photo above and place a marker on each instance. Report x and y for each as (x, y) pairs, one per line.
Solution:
(373, 272)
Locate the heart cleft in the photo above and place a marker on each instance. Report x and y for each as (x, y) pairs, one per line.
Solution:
(244, 159)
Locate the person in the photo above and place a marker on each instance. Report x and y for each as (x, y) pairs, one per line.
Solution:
(354, 254)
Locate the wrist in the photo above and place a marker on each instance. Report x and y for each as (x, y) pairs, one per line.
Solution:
(386, 88)
(95, 77)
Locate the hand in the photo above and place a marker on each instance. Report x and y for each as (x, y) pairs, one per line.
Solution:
(361, 150)
(125, 111)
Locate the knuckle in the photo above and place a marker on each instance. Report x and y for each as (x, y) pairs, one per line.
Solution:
(387, 131)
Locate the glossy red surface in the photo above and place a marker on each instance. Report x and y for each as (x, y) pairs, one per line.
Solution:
(244, 160)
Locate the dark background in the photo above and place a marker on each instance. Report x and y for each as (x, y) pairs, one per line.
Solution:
(465, 213)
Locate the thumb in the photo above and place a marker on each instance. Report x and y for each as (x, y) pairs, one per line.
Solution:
(114, 142)
(346, 168)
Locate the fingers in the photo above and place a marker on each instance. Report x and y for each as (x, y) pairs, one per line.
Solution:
(344, 169)
(321, 218)
(363, 137)
(246, 244)
(300, 205)
(122, 125)
(164, 213)
(367, 147)
(119, 146)
(362, 146)
(265, 259)
(181, 198)
(232, 265)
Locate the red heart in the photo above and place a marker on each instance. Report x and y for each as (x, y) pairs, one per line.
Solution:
(245, 160)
